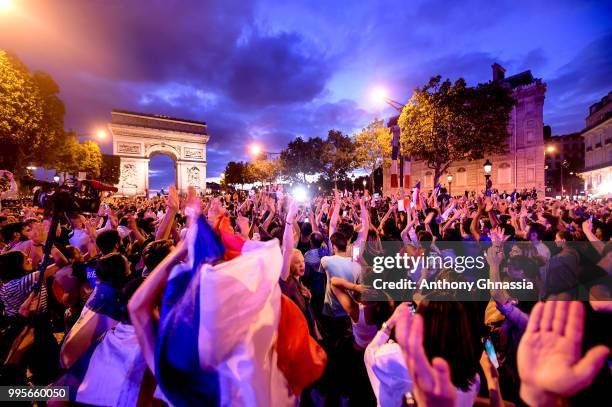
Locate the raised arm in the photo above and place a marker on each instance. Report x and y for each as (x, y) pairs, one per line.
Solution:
(143, 304)
(172, 203)
(288, 240)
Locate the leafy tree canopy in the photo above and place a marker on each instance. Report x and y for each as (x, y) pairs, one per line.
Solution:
(445, 122)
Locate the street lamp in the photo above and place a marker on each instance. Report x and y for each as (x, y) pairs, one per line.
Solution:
(255, 149)
(487, 170)
(365, 181)
(379, 96)
(550, 149)
(6, 5)
(101, 134)
(56, 178)
(449, 178)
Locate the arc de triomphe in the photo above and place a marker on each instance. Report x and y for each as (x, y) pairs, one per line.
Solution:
(137, 137)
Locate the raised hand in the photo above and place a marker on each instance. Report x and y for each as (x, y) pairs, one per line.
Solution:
(549, 354)
(497, 236)
(173, 199)
(432, 381)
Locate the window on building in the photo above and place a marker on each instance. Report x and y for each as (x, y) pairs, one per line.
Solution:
(530, 136)
(428, 179)
(530, 174)
(461, 177)
(504, 174)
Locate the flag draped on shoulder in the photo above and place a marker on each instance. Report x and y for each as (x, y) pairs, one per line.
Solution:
(179, 375)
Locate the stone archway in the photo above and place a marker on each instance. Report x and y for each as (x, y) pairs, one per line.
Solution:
(137, 136)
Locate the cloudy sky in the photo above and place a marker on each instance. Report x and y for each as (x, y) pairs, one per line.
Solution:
(270, 71)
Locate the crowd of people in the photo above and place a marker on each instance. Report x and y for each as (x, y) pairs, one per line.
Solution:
(262, 298)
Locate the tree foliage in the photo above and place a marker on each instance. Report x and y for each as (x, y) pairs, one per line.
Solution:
(445, 122)
(264, 170)
(80, 157)
(302, 158)
(237, 173)
(110, 170)
(31, 118)
(338, 157)
(373, 147)
(21, 113)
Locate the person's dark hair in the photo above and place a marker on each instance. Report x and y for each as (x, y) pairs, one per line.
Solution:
(339, 240)
(155, 252)
(306, 229)
(11, 265)
(9, 229)
(124, 297)
(508, 230)
(108, 240)
(565, 235)
(316, 240)
(538, 229)
(448, 334)
(346, 229)
(111, 269)
(390, 229)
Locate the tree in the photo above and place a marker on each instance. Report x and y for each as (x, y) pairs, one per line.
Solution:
(52, 124)
(21, 114)
(237, 173)
(302, 158)
(445, 122)
(110, 170)
(373, 147)
(338, 155)
(264, 170)
(80, 157)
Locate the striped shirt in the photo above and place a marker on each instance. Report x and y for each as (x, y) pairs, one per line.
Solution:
(14, 293)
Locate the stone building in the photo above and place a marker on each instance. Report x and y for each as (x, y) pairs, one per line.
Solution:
(564, 161)
(137, 137)
(597, 137)
(523, 164)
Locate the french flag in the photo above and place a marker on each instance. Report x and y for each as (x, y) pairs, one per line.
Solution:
(395, 143)
(416, 196)
(406, 172)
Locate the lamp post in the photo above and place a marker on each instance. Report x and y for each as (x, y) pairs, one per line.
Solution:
(256, 151)
(487, 170)
(564, 164)
(365, 181)
(56, 178)
(449, 178)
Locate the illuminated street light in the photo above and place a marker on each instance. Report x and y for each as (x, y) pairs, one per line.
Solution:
(550, 149)
(101, 134)
(6, 5)
(56, 178)
(255, 149)
(488, 167)
(379, 96)
(449, 178)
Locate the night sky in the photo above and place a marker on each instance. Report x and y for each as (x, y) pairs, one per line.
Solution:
(270, 71)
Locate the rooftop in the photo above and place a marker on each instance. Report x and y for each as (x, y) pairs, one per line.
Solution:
(160, 122)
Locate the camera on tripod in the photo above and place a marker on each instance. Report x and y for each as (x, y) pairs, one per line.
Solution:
(70, 197)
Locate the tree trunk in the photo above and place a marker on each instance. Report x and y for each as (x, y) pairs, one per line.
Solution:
(437, 174)
(372, 183)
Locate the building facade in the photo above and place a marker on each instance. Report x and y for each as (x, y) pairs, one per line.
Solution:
(597, 135)
(564, 161)
(521, 167)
